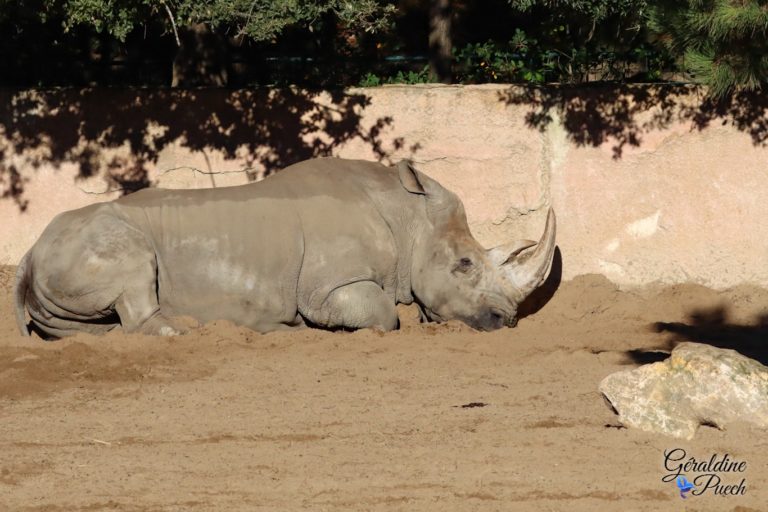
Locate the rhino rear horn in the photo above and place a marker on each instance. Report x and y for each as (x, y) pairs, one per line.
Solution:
(505, 253)
(529, 271)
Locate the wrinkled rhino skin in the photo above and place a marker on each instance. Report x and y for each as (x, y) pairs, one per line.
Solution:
(698, 384)
(327, 242)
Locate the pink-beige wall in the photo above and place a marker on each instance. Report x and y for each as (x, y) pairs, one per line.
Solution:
(648, 184)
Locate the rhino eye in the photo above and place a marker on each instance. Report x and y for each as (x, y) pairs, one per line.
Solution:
(464, 265)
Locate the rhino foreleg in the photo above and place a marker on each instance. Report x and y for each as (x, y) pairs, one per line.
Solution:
(138, 307)
(139, 315)
(357, 306)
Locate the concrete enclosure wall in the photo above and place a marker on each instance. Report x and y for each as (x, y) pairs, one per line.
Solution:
(649, 184)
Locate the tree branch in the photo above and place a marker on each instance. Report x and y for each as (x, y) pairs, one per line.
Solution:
(173, 23)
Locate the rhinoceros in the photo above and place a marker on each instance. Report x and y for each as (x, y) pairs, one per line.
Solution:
(327, 242)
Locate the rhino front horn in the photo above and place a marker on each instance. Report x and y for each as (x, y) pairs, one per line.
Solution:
(529, 271)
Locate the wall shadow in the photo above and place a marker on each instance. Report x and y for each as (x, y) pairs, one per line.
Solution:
(621, 114)
(713, 327)
(267, 129)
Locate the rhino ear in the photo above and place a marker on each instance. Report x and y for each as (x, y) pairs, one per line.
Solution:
(409, 177)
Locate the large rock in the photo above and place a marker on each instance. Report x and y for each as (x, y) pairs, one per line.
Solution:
(698, 384)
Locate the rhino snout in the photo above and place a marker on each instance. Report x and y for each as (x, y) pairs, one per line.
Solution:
(493, 319)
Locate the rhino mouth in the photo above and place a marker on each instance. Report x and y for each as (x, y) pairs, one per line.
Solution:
(431, 315)
(494, 318)
(427, 315)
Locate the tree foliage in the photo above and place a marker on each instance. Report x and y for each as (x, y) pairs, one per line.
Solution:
(722, 43)
(259, 20)
(584, 40)
(597, 10)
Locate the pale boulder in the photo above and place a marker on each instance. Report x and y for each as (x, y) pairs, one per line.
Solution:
(698, 384)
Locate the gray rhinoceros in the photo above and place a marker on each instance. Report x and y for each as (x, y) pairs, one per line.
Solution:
(326, 242)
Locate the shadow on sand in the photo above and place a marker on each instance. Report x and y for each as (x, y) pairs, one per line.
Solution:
(712, 327)
(544, 293)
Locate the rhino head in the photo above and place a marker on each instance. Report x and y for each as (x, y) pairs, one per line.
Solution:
(454, 277)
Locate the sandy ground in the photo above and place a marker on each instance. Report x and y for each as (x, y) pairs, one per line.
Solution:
(432, 417)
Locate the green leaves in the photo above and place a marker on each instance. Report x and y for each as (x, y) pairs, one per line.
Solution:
(521, 60)
(720, 43)
(596, 10)
(402, 77)
(258, 20)
(115, 17)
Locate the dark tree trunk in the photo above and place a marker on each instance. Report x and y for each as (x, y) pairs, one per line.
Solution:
(201, 59)
(440, 40)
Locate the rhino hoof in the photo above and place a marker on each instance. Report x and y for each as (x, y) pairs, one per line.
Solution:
(167, 330)
(161, 326)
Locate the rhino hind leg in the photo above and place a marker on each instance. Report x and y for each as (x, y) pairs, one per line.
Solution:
(50, 326)
(357, 306)
(91, 265)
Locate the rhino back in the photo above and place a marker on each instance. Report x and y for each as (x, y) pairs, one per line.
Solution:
(269, 249)
(221, 253)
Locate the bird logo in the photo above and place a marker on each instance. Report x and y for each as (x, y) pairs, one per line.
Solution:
(684, 485)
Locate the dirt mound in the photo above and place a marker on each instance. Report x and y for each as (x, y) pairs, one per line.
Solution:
(429, 417)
